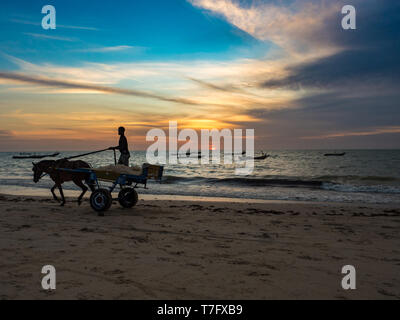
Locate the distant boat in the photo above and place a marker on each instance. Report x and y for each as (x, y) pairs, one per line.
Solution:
(188, 154)
(200, 155)
(36, 156)
(262, 157)
(334, 154)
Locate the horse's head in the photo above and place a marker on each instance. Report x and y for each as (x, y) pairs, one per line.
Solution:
(37, 172)
(42, 167)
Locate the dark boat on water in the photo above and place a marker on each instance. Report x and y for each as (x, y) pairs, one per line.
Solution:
(334, 154)
(36, 156)
(262, 157)
(188, 155)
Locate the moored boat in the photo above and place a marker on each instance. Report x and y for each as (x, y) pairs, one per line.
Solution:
(334, 154)
(262, 157)
(36, 156)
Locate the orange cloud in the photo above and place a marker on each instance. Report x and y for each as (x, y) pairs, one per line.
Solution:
(389, 129)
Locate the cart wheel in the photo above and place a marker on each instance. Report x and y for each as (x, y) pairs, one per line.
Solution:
(128, 197)
(100, 200)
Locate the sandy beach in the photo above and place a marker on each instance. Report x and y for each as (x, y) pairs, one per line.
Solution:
(174, 249)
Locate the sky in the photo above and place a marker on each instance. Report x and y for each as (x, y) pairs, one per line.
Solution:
(285, 68)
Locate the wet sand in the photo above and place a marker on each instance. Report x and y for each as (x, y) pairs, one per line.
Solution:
(175, 249)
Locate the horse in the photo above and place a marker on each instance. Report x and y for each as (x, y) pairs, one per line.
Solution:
(50, 167)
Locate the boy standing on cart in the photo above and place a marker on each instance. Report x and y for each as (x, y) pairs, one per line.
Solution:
(123, 148)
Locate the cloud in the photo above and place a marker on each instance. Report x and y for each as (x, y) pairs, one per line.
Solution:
(190, 80)
(344, 119)
(112, 49)
(345, 82)
(6, 135)
(370, 57)
(317, 52)
(297, 27)
(45, 36)
(77, 27)
(74, 85)
(58, 25)
(371, 132)
(225, 88)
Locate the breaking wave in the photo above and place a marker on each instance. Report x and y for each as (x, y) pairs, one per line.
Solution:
(361, 184)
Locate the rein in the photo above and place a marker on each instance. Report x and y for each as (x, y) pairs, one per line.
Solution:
(43, 175)
(52, 169)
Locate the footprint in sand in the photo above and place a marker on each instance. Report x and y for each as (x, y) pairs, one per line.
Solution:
(113, 272)
(387, 293)
(308, 258)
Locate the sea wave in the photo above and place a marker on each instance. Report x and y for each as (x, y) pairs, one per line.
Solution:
(361, 188)
(329, 183)
(243, 181)
(361, 179)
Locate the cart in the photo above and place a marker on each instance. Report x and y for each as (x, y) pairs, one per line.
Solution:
(101, 197)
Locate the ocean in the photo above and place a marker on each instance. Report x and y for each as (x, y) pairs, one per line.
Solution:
(370, 176)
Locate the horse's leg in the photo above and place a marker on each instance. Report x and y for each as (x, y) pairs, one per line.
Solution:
(52, 192)
(92, 188)
(62, 195)
(80, 184)
(90, 185)
(89, 182)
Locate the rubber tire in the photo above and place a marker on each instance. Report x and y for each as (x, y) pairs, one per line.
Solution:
(128, 197)
(100, 200)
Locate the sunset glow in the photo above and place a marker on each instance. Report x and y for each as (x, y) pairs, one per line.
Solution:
(208, 64)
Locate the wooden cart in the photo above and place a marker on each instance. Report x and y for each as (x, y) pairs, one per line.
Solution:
(101, 198)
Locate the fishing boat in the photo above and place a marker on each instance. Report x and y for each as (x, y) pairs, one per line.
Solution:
(334, 154)
(188, 154)
(262, 157)
(36, 156)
